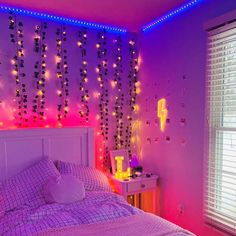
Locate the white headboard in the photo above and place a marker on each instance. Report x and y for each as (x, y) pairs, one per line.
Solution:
(21, 148)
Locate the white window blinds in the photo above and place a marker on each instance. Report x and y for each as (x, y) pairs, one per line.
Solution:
(220, 196)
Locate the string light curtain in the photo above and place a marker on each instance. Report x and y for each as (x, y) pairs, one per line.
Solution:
(220, 197)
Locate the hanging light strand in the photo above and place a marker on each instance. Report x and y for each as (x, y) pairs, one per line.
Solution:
(133, 81)
(119, 99)
(62, 74)
(17, 39)
(102, 71)
(83, 87)
(40, 49)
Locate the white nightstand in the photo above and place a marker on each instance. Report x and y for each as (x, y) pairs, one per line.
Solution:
(135, 187)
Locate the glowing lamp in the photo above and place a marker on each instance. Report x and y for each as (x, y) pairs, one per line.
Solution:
(162, 113)
(120, 174)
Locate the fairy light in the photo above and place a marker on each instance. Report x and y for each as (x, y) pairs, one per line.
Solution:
(17, 39)
(102, 71)
(62, 74)
(40, 49)
(83, 88)
(119, 99)
(133, 85)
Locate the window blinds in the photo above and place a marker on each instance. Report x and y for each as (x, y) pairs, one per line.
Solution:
(220, 197)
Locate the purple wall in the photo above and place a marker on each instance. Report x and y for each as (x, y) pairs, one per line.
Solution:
(173, 66)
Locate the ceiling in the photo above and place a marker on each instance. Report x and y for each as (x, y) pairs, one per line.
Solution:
(130, 14)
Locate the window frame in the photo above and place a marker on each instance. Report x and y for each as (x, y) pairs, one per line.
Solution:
(211, 133)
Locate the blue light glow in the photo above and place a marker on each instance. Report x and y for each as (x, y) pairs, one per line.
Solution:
(63, 19)
(170, 15)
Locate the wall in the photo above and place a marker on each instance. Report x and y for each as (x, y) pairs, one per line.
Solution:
(173, 58)
(79, 86)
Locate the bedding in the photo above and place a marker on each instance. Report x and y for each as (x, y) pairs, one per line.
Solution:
(145, 224)
(98, 206)
(100, 213)
(25, 188)
(94, 180)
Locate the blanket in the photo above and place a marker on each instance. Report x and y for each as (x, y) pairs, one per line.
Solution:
(145, 224)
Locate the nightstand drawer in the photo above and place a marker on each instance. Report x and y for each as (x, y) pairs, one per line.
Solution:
(141, 185)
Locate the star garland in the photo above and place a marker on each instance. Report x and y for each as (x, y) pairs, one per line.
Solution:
(119, 103)
(133, 84)
(102, 71)
(40, 48)
(84, 97)
(17, 39)
(62, 74)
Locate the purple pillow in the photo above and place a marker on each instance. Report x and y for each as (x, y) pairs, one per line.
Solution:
(64, 189)
(94, 180)
(25, 188)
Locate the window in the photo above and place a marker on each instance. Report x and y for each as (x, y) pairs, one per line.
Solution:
(221, 98)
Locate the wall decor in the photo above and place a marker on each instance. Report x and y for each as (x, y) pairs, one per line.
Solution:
(83, 88)
(62, 74)
(17, 61)
(69, 76)
(120, 163)
(119, 100)
(102, 73)
(40, 49)
(162, 113)
(133, 91)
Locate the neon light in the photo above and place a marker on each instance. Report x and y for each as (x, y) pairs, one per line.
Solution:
(162, 113)
(63, 19)
(170, 15)
(120, 174)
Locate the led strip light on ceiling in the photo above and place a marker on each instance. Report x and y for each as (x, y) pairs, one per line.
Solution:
(170, 14)
(63, 19)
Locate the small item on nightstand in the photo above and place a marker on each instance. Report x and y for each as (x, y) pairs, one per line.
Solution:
(137, 171)
(134, 161)
(148, 175)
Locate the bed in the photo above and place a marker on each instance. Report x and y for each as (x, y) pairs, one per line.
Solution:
(27, 161)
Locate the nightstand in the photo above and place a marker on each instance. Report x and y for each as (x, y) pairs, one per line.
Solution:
(136, 188)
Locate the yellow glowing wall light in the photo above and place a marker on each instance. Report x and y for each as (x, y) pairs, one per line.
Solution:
(120, 174)
(162, 113)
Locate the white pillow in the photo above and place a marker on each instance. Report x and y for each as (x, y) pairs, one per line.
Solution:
(64, 189)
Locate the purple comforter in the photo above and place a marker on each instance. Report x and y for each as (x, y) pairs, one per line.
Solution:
(96, 207)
